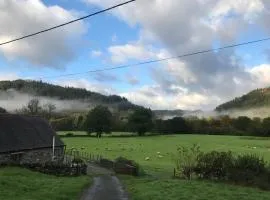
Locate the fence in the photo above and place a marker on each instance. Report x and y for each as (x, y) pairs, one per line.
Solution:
(75, 155)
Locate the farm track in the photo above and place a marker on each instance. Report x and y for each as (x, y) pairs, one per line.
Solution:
(105, 187)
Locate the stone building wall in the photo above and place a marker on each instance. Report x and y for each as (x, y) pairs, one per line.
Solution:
(32, 156)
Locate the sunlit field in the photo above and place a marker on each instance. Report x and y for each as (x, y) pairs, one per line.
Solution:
(160, 149)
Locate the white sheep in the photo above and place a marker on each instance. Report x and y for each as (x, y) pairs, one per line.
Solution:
(147, 158)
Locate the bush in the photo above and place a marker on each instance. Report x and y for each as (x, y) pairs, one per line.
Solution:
(186, 160)
(247, 169)
(77, 161)
(214, 165)
(69, 134)
(57, 169)
(124, 162)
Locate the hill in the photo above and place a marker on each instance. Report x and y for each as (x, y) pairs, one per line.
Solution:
(169, 114)
(255, 99)
(61, 94)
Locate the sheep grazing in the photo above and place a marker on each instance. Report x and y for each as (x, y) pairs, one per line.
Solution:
(158, 152)
(160, 156)
(147, 158)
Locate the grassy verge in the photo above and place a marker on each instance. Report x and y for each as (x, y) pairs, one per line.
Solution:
(169, 189)
(22, 184)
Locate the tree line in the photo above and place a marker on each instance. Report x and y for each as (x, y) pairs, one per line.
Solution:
(142, 120)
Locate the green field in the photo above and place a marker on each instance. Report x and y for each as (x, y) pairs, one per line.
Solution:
(160, 185)
(138, 148)
(83, 133)
(22, 184)
(169, 189)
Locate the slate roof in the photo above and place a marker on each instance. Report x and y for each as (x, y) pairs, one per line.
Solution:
(19, 133)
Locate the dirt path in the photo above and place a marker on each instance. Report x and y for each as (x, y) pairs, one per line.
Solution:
(105, 187)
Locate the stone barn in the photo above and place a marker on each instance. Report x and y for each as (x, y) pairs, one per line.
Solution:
(25, 139)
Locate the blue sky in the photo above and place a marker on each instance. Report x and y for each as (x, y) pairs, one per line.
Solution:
(140, 32)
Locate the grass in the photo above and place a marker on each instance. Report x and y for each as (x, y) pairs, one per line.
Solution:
(84, 133)
(62, 133)
(160, 186)
(169, 189)
(22, 184)
(138, 148)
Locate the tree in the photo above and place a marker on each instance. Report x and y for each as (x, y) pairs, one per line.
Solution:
(178, 125)
(3, 110)
(140, 121)
(256, 126)
(33, 107)
(99, 120)
(62, 124)
(48, 110)
(243, 123)
(266, 126)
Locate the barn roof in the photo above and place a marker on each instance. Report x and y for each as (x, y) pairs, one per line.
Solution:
(18, 133)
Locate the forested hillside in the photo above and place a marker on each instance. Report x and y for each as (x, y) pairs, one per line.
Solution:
(254, 99)
(38, 88)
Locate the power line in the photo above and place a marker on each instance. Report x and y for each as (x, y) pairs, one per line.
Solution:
(64, 24)
(158, 60)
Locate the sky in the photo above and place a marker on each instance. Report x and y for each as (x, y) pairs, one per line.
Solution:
(138, 32)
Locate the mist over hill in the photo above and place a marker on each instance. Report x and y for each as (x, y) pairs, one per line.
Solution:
(253, 104)
(15, 94)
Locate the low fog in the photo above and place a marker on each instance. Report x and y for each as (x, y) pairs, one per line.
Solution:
(12, 100)
(261, 112)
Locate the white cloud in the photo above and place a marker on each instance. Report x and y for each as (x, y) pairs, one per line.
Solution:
(132, 80)
(123, 53)
(96, 53)
(51, 49)
(261, 75)
(199, 81)
(154, 97)
(250, 10)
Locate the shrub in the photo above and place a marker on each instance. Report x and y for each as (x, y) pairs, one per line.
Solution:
(78, 161)
(69, 134)
(214, 165)
(124, 161)
(247, 169)
(186, 160)
(57, 169)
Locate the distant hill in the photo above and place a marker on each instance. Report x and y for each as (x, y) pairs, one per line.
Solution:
(42, 89)
(168, 114)
(255, 99)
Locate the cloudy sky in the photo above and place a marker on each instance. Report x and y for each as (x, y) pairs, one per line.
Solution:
(141, 31)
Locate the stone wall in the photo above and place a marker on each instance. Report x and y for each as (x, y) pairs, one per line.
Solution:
(32, 156)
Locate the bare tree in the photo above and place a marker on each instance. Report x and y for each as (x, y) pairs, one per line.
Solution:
(48, 109)
(33, 107)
